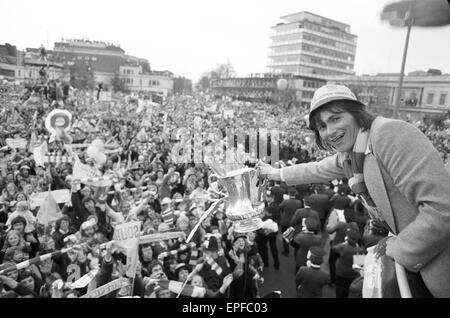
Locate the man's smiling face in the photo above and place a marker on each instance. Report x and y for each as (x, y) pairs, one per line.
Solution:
(338, 129)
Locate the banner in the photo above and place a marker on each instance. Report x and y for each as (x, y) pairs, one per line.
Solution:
(228, 113)
(372, 275)
(105, 96)
(107, 288)
(126, 236)
(60, 196)
(210, 108)
(15, 143)
(82, 171)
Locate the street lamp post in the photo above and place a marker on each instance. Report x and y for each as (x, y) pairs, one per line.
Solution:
(402, 71)
(419, 13)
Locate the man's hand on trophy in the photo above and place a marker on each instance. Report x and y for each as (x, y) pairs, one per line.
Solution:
(267, 171)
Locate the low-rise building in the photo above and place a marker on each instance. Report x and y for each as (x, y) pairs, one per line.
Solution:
(421, 94)
(266, 88)
(84, 63)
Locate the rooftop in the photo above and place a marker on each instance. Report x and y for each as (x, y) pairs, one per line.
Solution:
(299, 16)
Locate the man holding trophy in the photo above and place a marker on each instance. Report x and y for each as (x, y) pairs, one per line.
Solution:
(398, 176)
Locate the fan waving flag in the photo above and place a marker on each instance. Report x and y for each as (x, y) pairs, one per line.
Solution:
(423, 13)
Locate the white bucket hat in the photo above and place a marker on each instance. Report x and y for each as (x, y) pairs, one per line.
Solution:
(328, 93)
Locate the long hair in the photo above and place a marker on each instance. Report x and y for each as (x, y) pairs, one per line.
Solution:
(6, 244)
(357, 109)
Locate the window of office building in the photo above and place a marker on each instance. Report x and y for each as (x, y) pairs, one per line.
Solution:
(430, 98)
(327, 52)
(286, 38)
(307, 94)
(312, 84)
(330, 31)
(325, 62)
(286, 69)
(442, 99)
(286, 48)
(286, 58)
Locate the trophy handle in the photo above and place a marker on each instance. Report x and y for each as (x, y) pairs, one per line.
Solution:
(210, 182)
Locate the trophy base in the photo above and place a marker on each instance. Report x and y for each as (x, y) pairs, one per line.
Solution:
(244, 211)
(247, 220)
(248, 225)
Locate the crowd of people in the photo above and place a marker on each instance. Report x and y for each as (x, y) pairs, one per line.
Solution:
(151, 185)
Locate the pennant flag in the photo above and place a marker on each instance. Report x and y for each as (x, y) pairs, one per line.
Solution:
(141, 135)
(49, 210)
(39, 154)
(33, 142)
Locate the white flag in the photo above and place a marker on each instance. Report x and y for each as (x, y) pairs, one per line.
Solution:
(39, 154)
(49, 210)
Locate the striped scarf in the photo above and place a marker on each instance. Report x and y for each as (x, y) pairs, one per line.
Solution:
(353, 164)
(214, 266)
(35, 260)
(195, 253)
(168, 217)
(181, 249)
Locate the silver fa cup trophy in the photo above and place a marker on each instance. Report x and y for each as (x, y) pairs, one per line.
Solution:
(245, 192)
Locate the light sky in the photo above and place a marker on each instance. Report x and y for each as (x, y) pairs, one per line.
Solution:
(191, 37)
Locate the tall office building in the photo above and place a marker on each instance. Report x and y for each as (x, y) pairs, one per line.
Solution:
(306, 43)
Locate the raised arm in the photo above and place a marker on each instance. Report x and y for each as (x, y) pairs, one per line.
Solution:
(312, 172)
